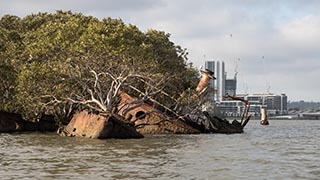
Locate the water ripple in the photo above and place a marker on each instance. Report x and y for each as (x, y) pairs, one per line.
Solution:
(283, 150)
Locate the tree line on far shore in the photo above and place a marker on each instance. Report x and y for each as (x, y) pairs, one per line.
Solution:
(53, 63)
(304, 106)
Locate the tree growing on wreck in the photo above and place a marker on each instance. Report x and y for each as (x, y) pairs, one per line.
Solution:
(59, 56)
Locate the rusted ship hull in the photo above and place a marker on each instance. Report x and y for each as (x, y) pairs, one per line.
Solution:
(87, 125)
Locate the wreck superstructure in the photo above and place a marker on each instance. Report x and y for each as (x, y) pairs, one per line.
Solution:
(202, 117)
(150, 120)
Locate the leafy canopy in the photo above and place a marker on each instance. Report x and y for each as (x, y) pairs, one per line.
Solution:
(52, 54)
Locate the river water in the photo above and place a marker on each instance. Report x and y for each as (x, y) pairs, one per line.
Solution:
(283, 150)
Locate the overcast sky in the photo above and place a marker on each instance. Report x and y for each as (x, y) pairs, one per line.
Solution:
(274, 43)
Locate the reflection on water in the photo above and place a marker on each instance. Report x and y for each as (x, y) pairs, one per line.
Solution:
(283, 150)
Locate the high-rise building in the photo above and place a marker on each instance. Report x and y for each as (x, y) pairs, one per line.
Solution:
(223, 82)
(218, 81)
(221, 85)
(231, 87)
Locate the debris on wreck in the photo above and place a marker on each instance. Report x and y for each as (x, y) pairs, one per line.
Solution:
(212, 123)
(207, 116)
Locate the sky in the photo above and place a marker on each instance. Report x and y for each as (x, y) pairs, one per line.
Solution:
(274, 45)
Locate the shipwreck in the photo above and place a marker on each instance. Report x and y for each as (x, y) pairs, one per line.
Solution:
(133, 117)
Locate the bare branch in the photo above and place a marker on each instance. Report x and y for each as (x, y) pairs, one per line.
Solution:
(94, 100)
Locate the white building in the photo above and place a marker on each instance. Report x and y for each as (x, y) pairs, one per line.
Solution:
(275, 104)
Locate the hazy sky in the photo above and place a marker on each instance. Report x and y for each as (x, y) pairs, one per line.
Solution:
(275, 43)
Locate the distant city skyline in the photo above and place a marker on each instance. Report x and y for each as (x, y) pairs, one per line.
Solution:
(272, 44)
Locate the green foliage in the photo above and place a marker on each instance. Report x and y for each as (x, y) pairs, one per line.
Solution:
(46, 55)
(7, 88)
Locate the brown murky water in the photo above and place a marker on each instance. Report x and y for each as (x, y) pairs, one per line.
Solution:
(283, 150)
